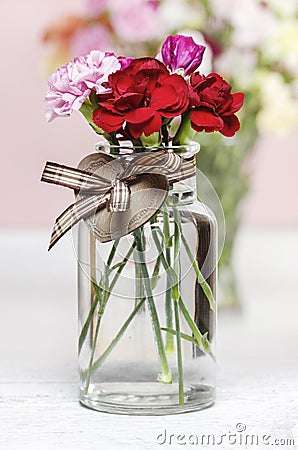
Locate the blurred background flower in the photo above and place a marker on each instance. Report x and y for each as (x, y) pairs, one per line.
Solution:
(252, 43)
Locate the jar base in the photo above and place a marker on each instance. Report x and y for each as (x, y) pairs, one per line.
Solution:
(142, 399)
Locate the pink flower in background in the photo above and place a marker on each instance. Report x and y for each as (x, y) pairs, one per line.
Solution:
(70, 85)
(136, 20)
(181, 52)
(95, 7)
(95, 37)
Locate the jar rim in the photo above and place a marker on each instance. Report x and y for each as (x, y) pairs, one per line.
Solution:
(126, 148)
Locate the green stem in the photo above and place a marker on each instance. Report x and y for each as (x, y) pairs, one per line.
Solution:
(97, 296)
(87, 323)
(185, 133)
(179, 354)
(92, 355)
(165, 134)
(112, 252)
(168, 299)
(169, 270)
(117, 338)
(166, 375)
(120, 269)
(205, 286)
(177, 232)
(191, 339)
(139, 286)
(203, 343)
(201, 339)
(105, 293)
(176, 296)
(155, 274)
(115, 142)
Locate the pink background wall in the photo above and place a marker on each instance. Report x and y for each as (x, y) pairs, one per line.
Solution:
(27, 141)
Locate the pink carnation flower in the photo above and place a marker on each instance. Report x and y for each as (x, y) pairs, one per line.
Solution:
(90, 38)
(95, 7)
(71, 85)
(136, 20)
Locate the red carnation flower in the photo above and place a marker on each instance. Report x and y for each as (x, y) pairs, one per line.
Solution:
(142, 94)
(214, 105)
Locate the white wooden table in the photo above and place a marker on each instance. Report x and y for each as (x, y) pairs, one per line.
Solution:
(257, 395)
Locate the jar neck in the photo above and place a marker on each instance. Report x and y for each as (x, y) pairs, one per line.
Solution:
(185, 189)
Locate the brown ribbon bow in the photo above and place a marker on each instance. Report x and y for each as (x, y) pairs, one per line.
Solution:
(116, 194)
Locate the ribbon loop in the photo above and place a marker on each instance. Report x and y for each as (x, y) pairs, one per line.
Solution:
(97, 192)
(73, 178)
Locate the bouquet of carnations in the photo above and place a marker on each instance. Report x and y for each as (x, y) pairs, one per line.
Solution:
(137, 99)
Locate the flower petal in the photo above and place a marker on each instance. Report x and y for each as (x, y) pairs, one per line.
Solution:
(107, 120)
(139, 115)
(149, 127)
(238, 99)
(203, 119)
(231, 125)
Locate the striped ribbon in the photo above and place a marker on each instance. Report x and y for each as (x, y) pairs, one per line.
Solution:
(97, 192)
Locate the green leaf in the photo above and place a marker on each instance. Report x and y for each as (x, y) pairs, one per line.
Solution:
(169, 242)
(203, 344)
(202, 341)
(87, 323)
(155, 275)
(87, 110)
(205, 286)
(187, 337)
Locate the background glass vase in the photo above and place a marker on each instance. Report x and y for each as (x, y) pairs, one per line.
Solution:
(147, 311)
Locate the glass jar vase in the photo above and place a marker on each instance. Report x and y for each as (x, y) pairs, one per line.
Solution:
(147, 306)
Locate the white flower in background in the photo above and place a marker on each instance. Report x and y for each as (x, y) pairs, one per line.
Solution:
(279, 111)
(239, 64)
(176, 14)
(251, 21)
(224, 8)
(285, 8)
(282, 45)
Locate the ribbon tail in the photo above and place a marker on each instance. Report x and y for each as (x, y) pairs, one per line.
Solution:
(73, 214)
(73, 178)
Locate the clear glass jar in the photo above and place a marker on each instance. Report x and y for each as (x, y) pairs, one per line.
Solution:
(147, 311)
